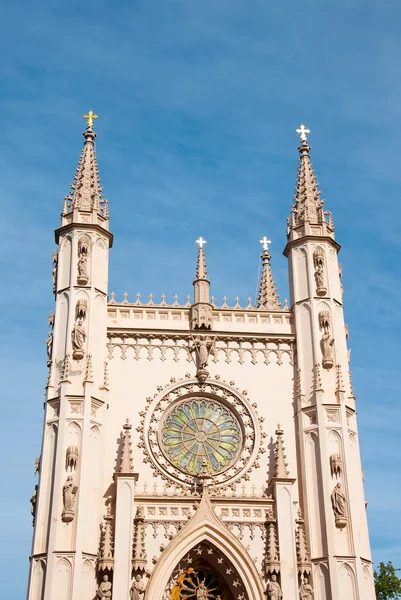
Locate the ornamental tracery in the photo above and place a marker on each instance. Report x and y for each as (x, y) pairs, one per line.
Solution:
(191, 427)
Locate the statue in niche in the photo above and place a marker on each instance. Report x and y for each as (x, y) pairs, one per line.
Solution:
(339, 504)
(49, 348)
(202, 593)
(326, 344)
(203, 346)
(78, 336)
(83, 253)
(273, 589)
(305, 590)
(137, 588)
(318, 261)
(327, 341)
(69, 495)
(104, 589)
(54, 272)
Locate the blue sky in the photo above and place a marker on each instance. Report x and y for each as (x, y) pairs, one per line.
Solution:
(198, 103)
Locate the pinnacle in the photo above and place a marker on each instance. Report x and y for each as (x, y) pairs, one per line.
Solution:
(86, 191)
(308, 206)
(267, 293)
(281, 464)
(201, 272)
(125, 465)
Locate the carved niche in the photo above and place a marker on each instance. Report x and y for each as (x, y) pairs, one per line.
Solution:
(319, 264)
(327, 341)
(71, 458)
(83, 256)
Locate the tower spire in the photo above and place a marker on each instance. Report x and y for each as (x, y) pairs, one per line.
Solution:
(201, 309)
(267, 293)
(85, 202)
(307, 215)
(280, 456)
(125, 465)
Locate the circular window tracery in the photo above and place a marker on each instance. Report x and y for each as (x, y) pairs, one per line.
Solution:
(225, 408)
(201, 434)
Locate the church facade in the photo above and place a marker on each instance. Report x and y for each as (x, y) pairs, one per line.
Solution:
(195, 450)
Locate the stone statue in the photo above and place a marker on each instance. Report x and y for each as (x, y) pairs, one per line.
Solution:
(318, 261)
(104, 589)
(138, 588)
(201, 592)
(69, 495)
(83, 251)
(78, 336)
(273, 589)
(37, 465)
(339, 504)
(203, 347)
(54, 271)
(49, 347)
(33, 504)
(305, 590)
(326, 344)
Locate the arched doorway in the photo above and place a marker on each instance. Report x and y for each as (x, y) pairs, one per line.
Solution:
(205, 573)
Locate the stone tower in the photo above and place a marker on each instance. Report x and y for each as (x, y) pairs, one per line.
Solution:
(192, 450)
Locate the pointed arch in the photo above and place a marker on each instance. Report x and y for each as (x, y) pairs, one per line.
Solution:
(206, 527)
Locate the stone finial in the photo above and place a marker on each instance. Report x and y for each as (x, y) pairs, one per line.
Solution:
(339, 380)
(317, 384)
(125, 465)
(66, 369)
(280, 457)
(298, 384)
(303, 555)
(106, 553)
(201, 272)
(267, 294)
(89, 370)
(139, 550)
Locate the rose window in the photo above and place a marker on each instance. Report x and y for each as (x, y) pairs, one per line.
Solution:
(201, 435)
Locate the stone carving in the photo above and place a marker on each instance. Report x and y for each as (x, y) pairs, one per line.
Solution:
(327, 341)
(203, 346)
(306, 590)
(83, 253)
(273, 589)
(50, 319)
(78, 337)
(69, 495)
(49, 348)
(71, 458)
(339, 504)
(37, 465)
(104, 589)
(139, 552)
(54, 271)
(318, 261)
(81, 309)
(336, 465)
(33, 504)
(138, 588)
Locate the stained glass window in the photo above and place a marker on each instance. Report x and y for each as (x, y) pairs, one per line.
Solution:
(201, 432)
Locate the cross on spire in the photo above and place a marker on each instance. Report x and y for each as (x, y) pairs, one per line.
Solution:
(201, 242)
(303, 131)
(90, 117)
(265, 243)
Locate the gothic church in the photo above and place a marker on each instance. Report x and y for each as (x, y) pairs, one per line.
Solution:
(197, 451)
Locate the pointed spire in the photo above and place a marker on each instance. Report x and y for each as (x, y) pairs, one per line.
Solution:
(318, 384)
(339, 380)
(267, 294)
(307, 209)
(201, 310)
(126, 451)
(303, 555)
(280, 457)
(201, 272)
(85, 197)
(106, 554)
(89, 370)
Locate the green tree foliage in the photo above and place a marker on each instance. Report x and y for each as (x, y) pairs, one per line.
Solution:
(387, 584)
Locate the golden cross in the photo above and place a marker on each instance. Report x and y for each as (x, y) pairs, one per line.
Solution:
(90, 117)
